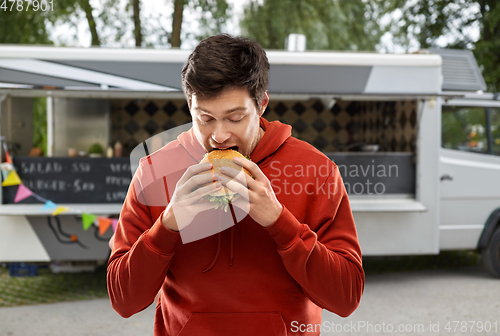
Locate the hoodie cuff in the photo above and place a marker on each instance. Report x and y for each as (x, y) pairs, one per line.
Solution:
(162, 239)
(286, 230)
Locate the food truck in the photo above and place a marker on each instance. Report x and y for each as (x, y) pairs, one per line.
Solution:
(415, 136)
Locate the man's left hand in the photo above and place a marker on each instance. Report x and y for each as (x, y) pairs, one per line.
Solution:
(257, 197)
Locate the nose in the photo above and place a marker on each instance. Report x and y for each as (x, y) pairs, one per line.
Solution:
(220, 133)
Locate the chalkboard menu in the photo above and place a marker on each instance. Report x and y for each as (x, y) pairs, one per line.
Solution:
(376, 173)
(72, 180)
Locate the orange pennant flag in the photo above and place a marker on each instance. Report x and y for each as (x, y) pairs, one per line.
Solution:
(7, 157)
(104, 224)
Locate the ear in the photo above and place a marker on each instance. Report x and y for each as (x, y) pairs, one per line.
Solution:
(265, 101)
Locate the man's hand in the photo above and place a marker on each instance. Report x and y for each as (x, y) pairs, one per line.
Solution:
(186, 200)
(257, 197)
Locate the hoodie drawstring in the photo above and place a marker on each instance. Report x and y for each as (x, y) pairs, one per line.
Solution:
(232, 247)
(231, 255)
(219, 240)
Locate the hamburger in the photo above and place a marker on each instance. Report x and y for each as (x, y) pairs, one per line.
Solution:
(220, 158)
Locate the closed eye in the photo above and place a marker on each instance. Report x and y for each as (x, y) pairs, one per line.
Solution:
(236, 120)
(207, 120)
(204, 121)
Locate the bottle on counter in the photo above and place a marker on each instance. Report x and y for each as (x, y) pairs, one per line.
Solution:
(118, 149)
(72, 152)
(110, 152)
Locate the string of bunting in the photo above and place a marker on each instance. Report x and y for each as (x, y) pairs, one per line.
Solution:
(11, 178)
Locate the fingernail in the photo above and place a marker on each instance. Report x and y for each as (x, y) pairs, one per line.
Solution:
(223, 170)
(217, 185)
(209, 165)
(216, 175)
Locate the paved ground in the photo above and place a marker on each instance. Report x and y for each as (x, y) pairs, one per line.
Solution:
(412, 300)
(79, 318)
(415, 300)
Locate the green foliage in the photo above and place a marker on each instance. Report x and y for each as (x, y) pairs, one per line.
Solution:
(32, 27)
(327, 24)
(215, 14)
(96, 148)
(26, 27)
(40, 124)
(110, 23)
(487, 48)
(428, 21)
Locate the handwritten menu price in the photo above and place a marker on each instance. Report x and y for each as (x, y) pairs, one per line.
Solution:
(73, 180)
(27, 5)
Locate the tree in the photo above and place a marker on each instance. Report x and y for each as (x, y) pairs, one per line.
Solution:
(87, 8)
(214, 15)
(448, 24)
(137, 22)
(175, 40)
(26, 27)
(67, 11)
(327, 24)
(487, 48)
(115, 21)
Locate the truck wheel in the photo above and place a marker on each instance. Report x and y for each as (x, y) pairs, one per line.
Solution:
(491, 254)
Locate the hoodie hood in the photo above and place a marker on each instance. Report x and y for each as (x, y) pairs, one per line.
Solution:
(275, 135)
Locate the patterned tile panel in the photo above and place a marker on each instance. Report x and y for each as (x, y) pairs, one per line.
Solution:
(391, 124)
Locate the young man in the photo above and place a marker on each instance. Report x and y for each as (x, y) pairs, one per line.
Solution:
(274, 270)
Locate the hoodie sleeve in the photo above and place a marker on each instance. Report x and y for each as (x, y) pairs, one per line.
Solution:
(141, 256)
(324, 256)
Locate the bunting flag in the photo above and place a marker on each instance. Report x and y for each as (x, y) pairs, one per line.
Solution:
(7, 156)
(114, 224)
(87, 220)
(104, 224)
(5, 173)
(59, 210)
(49, 205)
(12, 179)
(22, 193)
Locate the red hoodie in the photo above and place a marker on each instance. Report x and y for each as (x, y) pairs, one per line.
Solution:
(247, 280)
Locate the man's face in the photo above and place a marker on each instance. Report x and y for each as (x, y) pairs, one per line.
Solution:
(228, 120)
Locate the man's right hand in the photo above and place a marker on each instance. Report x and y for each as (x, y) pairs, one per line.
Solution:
(186, 200)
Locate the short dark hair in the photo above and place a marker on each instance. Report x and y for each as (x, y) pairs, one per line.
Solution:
(223, 61)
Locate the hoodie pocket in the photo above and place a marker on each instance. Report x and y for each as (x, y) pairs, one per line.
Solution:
(241, 324)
